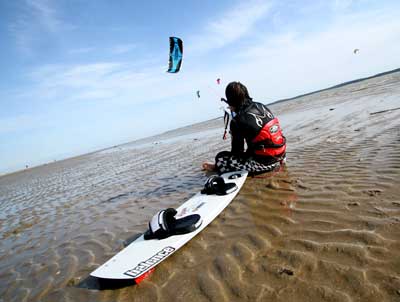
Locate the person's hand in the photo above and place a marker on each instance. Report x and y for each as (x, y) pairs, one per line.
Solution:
(208, 166)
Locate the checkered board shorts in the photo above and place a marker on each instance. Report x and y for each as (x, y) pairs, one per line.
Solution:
(227, 162)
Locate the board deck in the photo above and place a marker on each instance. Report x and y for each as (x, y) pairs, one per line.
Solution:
(141, 256)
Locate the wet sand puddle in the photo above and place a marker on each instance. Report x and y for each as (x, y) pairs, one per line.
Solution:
(325, 228)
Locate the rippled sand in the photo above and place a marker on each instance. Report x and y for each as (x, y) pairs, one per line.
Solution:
(325, 228)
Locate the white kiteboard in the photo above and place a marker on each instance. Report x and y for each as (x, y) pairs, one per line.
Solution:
(140, 257)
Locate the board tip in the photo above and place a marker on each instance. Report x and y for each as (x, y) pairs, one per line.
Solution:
(144, 276)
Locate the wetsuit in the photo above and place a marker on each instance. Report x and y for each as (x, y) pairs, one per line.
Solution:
(254, 124)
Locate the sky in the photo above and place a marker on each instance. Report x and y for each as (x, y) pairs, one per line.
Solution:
(77, 76)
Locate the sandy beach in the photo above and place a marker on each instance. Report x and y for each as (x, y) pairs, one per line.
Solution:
(325, 228)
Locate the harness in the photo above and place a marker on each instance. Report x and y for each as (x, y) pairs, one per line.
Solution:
(270, 140)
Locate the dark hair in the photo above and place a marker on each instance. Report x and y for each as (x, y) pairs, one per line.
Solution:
(236, 94)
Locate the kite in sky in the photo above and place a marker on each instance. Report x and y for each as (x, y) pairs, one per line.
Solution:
(175, 54)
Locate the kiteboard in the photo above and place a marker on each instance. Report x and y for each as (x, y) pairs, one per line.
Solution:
(140, 257)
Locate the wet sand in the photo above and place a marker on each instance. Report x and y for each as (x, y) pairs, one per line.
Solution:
(325, 228)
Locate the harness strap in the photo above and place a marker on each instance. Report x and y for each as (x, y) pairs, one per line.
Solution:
(226, 121)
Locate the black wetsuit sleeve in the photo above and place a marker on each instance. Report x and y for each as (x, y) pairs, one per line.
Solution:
(237, 139)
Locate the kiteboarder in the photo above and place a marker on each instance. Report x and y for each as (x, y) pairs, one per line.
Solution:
(254, 124)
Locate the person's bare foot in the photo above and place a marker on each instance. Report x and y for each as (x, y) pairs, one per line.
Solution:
(208, 167)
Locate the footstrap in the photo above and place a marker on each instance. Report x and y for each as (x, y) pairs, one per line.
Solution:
(158, 225)
(216, 185)
(164, 224)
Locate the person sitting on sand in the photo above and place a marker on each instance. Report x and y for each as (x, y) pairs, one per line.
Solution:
(254, 123)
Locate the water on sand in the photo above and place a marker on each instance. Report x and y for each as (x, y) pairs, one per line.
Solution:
(325, 228)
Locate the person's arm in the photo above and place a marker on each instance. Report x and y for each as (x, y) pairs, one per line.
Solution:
(237, 139)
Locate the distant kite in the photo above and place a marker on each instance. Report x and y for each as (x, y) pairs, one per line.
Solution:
(175, 54)
(356, 50)
(198, 93)
(218, 81)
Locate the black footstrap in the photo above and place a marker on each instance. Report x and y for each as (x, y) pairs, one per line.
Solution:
(216, 185)
(164, 224)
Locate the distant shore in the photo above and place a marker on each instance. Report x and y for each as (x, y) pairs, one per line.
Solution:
(336, 86)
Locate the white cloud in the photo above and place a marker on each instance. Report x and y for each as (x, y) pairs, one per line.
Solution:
(82, 50)
(280, 65)
(342, 4)
(295, 62)
(114, 50)
(22, 31)
(123, 48)
(19, 123)
(35, 18)
(45, 14)
(303, 60)
(229, 27)
(119, 82)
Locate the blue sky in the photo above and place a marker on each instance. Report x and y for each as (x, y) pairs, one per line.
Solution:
(77, 76)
